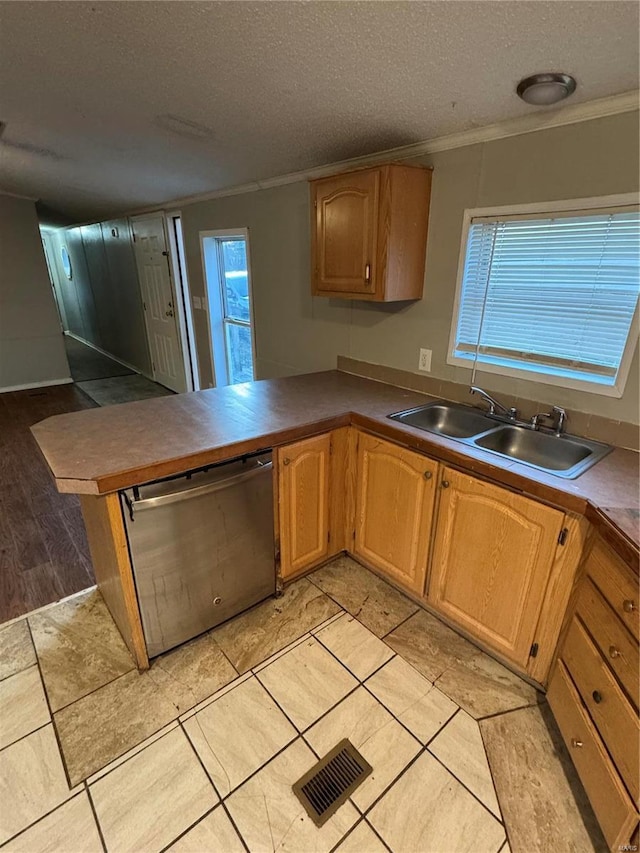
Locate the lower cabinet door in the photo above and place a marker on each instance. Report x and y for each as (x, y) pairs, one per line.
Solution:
(303, 494)
(394, 509)
(492, 558)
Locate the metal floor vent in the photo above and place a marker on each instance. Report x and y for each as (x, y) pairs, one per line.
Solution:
(330, 782)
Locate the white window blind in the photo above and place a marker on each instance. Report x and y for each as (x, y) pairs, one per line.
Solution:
(550, 294)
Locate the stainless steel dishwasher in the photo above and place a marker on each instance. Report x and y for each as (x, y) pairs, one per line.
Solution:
(202, 548)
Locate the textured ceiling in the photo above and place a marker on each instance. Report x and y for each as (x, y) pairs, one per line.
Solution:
(111, 106)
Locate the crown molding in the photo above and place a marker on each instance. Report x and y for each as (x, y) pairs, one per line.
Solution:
(531, 123)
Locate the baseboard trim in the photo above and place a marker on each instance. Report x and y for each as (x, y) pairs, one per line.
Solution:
(108, 354)
(28, 386)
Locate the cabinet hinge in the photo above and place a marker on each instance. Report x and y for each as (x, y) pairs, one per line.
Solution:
(533, 651)
(562, 538)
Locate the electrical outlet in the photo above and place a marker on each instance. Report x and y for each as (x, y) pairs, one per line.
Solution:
(424, 362)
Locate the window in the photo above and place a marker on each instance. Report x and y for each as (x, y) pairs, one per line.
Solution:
(550, 295)
(226, 266)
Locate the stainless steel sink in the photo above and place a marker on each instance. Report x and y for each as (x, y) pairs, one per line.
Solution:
(565, 456)
(446, 419)
(547, 452)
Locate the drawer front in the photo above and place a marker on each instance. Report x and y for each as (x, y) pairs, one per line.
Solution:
(615, 719)
(611, 804)
(615, 643)
(617, 584)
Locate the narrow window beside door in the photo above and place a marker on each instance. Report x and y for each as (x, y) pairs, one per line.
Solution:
(227, 273)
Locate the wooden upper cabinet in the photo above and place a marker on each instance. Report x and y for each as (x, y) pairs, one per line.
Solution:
(394, 509)
(492, 559)
(369, 233)
(303, 493)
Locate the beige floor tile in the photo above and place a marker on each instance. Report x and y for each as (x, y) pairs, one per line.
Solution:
(385, 744)
(358, 649)
(429, 645)
(79, 648)
(131, 752)
(215, 832)
(32, 781)
(71, 828)
(459, 746)
(306, 682)
(373, 602)
(100, 727)
(362, 840)
(16, 649)
(197, 670)
(482, 686)
(147, 802)
(428, 810)
(541, 798)
(238, 733)
(202, 705)
(269, 815)
(420, 706)
(23, 705)
(256, 635)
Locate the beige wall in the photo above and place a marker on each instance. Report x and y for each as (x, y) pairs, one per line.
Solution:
(296, 333)
(31, 345)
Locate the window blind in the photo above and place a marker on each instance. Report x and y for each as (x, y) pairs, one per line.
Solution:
(551, 294)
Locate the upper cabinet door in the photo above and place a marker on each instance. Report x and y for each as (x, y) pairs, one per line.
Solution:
(492, 559)
(369, 233)
(346, 217)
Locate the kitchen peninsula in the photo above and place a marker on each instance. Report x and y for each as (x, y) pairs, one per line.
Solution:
(515, 559)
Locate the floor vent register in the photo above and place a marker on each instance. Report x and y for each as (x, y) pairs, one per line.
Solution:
(330, 782)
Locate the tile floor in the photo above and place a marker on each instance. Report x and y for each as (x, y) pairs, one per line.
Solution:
(200, 752)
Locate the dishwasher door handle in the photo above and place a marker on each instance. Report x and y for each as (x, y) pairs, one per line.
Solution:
(198, 491)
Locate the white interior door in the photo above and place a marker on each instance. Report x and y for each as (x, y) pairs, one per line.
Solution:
(159, 302)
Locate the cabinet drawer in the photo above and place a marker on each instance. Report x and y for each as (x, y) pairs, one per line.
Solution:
(612, 714)
(616, 583)
(610, 802)
(616, 645)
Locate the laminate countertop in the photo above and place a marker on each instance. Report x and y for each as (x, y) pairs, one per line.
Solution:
(101, 450)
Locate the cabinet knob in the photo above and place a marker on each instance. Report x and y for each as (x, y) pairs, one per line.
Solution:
(575, 743)
(614, 652)
(367, 273)
(217, 600)
(445, 484)
(428, 475)
(628, 606)
(286, 461)
(597, 697)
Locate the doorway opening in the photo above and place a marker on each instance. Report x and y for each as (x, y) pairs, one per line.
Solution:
(226, 262)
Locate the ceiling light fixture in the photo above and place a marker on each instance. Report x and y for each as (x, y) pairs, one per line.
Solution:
(542, 90)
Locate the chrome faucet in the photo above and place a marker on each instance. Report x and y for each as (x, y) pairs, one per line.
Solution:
(557, 414)
(494, 404)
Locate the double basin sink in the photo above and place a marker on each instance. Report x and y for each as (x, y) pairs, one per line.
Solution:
(563, 455)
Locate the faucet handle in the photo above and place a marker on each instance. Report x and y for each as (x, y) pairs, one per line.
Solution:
(560, 419)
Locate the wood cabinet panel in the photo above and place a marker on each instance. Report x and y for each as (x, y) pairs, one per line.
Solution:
(303, 494)
(613, 808)
(369, 233)
(612, 714)
(492, 559)
(394, 510)
(614, 642)
(617, 584)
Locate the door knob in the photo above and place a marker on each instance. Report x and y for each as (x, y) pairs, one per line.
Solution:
(575, 743)
(428, 475)
(445, 484)
(614, 652)
(628, 606)
(597, 697)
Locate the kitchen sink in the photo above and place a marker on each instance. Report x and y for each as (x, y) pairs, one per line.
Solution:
(446, 419)
(548, 452)
(564, 455)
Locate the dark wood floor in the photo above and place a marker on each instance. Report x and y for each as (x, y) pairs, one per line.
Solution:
(43, 547)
